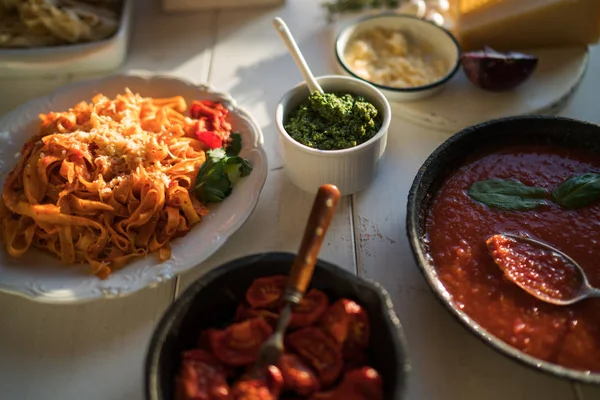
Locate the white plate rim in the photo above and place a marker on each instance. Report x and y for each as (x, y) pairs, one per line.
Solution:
(218, 238)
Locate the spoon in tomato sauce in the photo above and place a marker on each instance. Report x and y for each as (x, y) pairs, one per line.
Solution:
(301, 272)
(540, 269)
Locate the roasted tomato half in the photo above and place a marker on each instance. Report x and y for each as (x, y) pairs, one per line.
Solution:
(268, 386)
(297, 376)
(360, 384)
(266, 292)
(310, 309)
(358, 360)
(319, 351)
(238, 344)
(201, 378)
(204, 356)
(244, 312)
(348, 323)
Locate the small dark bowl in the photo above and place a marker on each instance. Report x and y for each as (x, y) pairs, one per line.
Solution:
(212, 301)
(543, 130)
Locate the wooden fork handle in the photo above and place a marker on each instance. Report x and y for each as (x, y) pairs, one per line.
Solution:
(318, 222)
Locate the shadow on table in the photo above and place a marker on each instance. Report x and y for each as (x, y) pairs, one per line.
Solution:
(50, 346)
(269, 79)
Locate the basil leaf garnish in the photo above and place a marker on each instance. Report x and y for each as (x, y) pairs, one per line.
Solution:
(218, 174)
(508, 194)
(236, 144)
(578, 191)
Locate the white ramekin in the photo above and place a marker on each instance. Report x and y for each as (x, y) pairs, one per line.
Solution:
(351, 170)
(437, 38)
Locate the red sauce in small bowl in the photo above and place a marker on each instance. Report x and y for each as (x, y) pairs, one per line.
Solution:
(457, 230)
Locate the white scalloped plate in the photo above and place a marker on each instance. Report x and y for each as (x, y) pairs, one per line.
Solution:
(40, 277)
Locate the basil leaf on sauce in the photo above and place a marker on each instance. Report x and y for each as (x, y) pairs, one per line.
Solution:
(578, 191)
(507, 194)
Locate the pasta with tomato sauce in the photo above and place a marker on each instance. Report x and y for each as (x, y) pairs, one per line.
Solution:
(109, 180)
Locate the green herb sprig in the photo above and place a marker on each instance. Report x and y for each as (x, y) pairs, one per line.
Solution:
(508, 194)
(220, 172)
(576, 192)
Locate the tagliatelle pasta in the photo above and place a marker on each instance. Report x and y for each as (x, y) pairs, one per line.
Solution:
(108, 181)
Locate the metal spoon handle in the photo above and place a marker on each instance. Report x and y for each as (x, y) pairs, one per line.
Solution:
(548, 247)
(318, 222)
(593, 292)
(290, 43)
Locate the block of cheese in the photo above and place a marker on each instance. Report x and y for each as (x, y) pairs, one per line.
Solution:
(524, 24)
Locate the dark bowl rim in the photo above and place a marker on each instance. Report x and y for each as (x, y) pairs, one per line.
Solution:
(173, 311)
(428, 270)
(449, 75)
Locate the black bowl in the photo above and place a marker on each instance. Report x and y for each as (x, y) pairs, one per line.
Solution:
(542, 130)
(212, 301)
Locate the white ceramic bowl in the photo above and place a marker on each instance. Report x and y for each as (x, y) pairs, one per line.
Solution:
(442, 43)
(351, 170)
(93, 57)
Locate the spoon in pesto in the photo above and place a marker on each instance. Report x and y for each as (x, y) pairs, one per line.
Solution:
(290, 43)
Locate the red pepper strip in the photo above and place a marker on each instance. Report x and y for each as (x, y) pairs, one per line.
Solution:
(200, 109)
(211, 139)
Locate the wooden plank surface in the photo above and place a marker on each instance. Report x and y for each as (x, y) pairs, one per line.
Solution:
(93, 351)
(587, 392)
(174, 44)
(251, 63)
(17, 91)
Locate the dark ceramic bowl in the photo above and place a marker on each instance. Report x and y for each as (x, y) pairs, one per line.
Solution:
(212, 301)
(451, 154)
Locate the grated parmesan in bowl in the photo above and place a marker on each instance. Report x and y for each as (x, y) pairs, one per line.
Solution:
(406, 57)
(392, 58)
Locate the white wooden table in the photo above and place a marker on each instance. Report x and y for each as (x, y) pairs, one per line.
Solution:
(96, 351)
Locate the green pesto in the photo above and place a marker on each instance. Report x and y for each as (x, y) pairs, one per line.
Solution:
(333, 121)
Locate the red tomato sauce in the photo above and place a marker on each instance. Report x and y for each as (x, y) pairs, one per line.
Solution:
(457, 229)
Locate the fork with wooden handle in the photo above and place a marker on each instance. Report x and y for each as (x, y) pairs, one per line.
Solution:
(301, 272)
